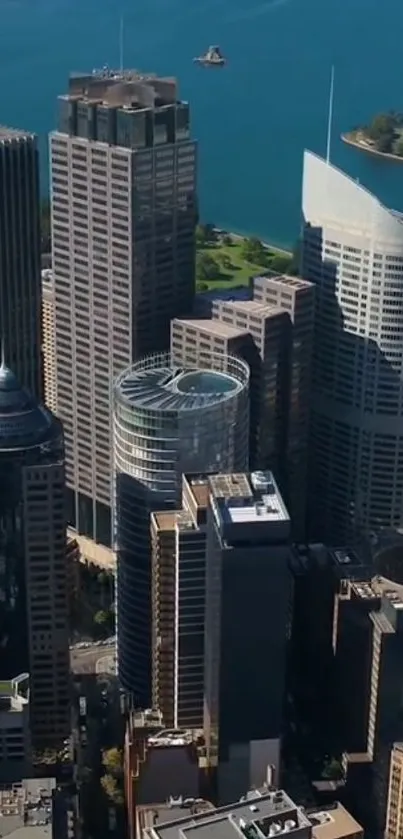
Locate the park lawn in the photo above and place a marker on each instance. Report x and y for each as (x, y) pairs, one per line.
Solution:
(240, 272)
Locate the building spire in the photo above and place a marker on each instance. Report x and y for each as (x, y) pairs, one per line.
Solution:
(3, 354)
(330, 116)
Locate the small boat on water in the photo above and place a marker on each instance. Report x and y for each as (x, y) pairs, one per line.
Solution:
(212, 58)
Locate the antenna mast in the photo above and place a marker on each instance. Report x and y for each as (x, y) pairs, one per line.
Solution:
(330, 117)
(121, 44)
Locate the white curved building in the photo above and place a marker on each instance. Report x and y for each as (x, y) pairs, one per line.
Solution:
(353, 252)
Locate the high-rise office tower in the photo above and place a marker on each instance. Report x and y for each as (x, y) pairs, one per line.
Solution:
(168, 420)
(123, 220)
(248, 601)
(33, 574)
(49, 339)
(178, 542)
(20, 257)
(353, 252)
(273, 333)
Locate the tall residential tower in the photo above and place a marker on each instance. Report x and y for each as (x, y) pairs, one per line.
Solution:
(123, 218)
(353, 253)
(20, 257)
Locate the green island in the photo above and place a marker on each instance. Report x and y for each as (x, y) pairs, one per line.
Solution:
(224, 260)
(383, 136)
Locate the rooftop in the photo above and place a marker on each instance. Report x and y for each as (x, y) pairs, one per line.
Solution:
(334, 822)
(212, 327)
(129, 89)
(156, 383)
(248, 498)
(286, 281)
(26, 809)
(260, 815)
(253, 307)
(199, 488)
(7, 133)
(345, 557)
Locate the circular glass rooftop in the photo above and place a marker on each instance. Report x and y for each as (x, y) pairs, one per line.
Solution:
(206, 382)
(158, 384)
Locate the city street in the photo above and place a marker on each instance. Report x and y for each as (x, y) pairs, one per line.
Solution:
(85, 660)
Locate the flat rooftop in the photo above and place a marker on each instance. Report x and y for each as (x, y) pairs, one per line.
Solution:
(253, 307)
(260, 815)
(199, 488)
(130, 89)
(164, 520)
(286, 281)
(345, 557)
(7, 133)
(26, 809)
(248, 498)
(334, 822)
(212, 327)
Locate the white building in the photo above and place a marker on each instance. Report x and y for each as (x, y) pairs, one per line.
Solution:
(353, 252)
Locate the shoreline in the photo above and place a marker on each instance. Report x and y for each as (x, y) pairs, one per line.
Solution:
(362, 146)
(238, 237)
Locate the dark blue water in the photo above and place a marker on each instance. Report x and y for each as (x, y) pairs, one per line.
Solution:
(253, 118)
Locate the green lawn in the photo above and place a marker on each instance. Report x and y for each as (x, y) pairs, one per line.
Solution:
(5, 687)
(240, 271)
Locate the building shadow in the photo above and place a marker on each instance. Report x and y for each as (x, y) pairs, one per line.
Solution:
(351, 491)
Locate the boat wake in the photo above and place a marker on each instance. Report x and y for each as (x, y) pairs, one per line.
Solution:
(257, 11)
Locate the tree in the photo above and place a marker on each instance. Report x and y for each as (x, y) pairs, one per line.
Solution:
(332, 770)
(280, 263)
(200, 287)
(205, 235)
(227, 240)
(101, 618)
(112, 760)
(206, 267)
(112, 789)
(252, 250)
(399, 147)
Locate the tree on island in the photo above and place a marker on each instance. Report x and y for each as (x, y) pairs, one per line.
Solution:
(382, 131)
(206, 268)
(253, 251)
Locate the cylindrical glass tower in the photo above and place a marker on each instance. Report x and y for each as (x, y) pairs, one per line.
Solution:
(167, 420)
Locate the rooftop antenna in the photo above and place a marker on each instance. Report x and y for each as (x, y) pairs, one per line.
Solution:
(121, 44)
(330, 117)
(3, 359)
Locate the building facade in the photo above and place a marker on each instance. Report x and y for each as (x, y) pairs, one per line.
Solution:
(353, 253)
(273, 333)
(168, 420)
(34, 627)
(178, 543)
(49, 339)
(124, 213)
(20, 257)
(248, 601)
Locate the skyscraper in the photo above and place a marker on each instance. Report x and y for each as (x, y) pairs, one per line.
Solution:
(33, 574)
(123, 218)
(353, 252)
(49, 339)
(20, 257)
(168, 420)
(178, 541)
(248, 601)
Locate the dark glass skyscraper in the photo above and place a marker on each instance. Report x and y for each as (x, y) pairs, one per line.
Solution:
(33, 571)
(20, 257)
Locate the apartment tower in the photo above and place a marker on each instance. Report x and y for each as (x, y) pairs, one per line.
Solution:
(168, 420)
(123, 216)
(34, 610)
(20, 257)
(353, 253)
(178, 542)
